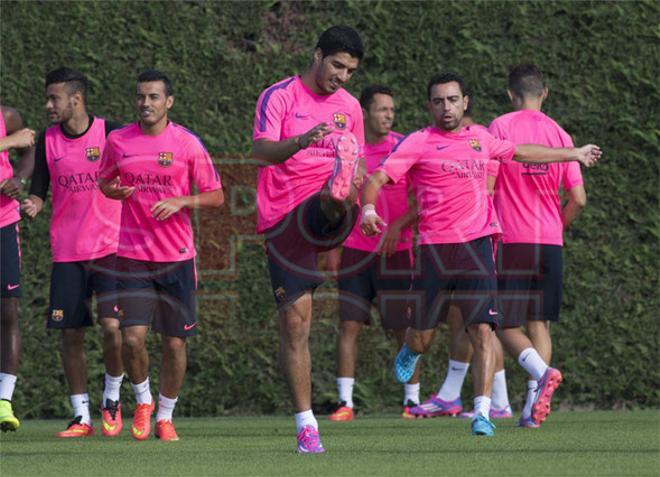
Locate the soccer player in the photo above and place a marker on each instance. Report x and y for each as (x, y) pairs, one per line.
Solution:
(533, 221)
(150, 166)
(446, 165)
(67, 156)
(376, 269)
(12, 136)
(307, 134)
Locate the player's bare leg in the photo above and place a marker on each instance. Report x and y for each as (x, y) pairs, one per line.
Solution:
(74, 359)
(347, 348)
(134, 353)
(112, 346)
(539, 334)
(10, 346)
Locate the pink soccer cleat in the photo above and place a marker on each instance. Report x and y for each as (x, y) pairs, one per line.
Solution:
(548, 384)
(346, 164)
(309, 441)
(434, 406)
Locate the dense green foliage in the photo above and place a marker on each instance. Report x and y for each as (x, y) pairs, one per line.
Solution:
(601, 63)
(601, 443)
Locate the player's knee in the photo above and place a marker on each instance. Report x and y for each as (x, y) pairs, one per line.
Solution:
(73, 337)
(132, 342)
(481, 336)
(174, 344)
(9, 315)
(350, 330)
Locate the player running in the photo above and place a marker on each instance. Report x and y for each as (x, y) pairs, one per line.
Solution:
(371, 268)
(151, 166)
(12, 136)
(447, 168)
(530, 256)
(307, 135)
(67, 155)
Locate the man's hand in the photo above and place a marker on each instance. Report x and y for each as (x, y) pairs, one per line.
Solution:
(23, 138)
(31, 207)
(588, 155)
(114, 190)
(390, 240)
(315, 134)
(370, 223)
(12, 188)
(166, 208)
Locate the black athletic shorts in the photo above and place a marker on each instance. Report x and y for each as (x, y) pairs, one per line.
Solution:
(461, 274)
(71, 288)
(164, 291)
(10, 261)
(529, 281)
(293, 245)
(364, 276)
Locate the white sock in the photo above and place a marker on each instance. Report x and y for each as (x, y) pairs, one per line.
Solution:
(410, 393)
(7, 385)
(532, 362)
(80, 405)
(531, 395)
(451, 388)
(165, 407)
(142, 392)
(111, 389)
(305, 418)
(345, 390)
(482, 406)
(500, 395)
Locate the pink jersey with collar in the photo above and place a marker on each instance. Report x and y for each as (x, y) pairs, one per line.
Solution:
(448, 172)
(8, 207)
(392, 201)
(159, 167)
(526, 195)
(287, 109)
(84, 224)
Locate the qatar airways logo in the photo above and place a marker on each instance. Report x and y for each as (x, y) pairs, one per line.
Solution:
(81, 182)
(148, 182)
(326, 147)
(465, 168)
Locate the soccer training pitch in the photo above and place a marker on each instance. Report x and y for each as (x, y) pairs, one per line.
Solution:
(570, 443)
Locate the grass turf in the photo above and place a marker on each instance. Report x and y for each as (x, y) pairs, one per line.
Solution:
(570, 443)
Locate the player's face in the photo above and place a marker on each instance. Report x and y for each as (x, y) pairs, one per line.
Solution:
(152, 102)
(333, 71)
(378, 119)
(447, 105)
(59, 103)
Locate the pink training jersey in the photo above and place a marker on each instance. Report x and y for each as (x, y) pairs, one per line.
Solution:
(84, 224)
(526, 195)
(448, 172)
(8, 207)
(392, 201)
(492, 167)
(288, 109)
(159, 167)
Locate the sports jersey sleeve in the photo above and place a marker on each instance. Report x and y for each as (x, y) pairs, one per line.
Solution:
(495, 130)
(572, 172)
(499, 149)
(402, 158)
(269, 116)
(493, 168)
(41, 175)
(108, 169)
(202, 171)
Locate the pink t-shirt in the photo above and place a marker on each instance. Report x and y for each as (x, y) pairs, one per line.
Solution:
(448, 174)
(8, 207)
(159, 167)
(288, 109)
(84, 224)
(526, 195)
(392, 201)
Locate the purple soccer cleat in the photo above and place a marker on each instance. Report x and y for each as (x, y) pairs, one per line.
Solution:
(346, 165)
(434, 406)
(309, 441)
(548, 384)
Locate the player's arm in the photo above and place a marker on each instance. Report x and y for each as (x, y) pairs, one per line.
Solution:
(393, 233)
(166, 208)
(276, 152)
(370, 222)
(40, 180)
(21, 139)
(577, 199)
(533, 153)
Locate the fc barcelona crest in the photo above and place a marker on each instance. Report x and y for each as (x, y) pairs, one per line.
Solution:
(475, 144)
(165, 158)
(92, 154)
(340, 120)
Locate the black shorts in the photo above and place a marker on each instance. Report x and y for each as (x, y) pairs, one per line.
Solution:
(460, 274)
(71, 288)
(162, 290)
(293, 245)
(529, 281)
(364, 276)
(10, 261)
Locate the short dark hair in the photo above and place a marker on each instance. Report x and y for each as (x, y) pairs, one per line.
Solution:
(368, 93)
(341, 39)
(443, 78)
(526, 80)
(75, 80)
(155, 75)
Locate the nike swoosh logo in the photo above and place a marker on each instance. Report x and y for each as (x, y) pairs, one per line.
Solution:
(13, 287)
(440, 148)
(492, 312)
(57, 159)
(109, 427)
(301, 116)
(129, 155)
(137, 431)
(116, 309)
(189, 327)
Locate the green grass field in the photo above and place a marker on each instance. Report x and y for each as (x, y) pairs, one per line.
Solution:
(570, 443)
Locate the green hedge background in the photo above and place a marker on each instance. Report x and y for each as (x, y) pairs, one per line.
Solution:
(601, 63)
